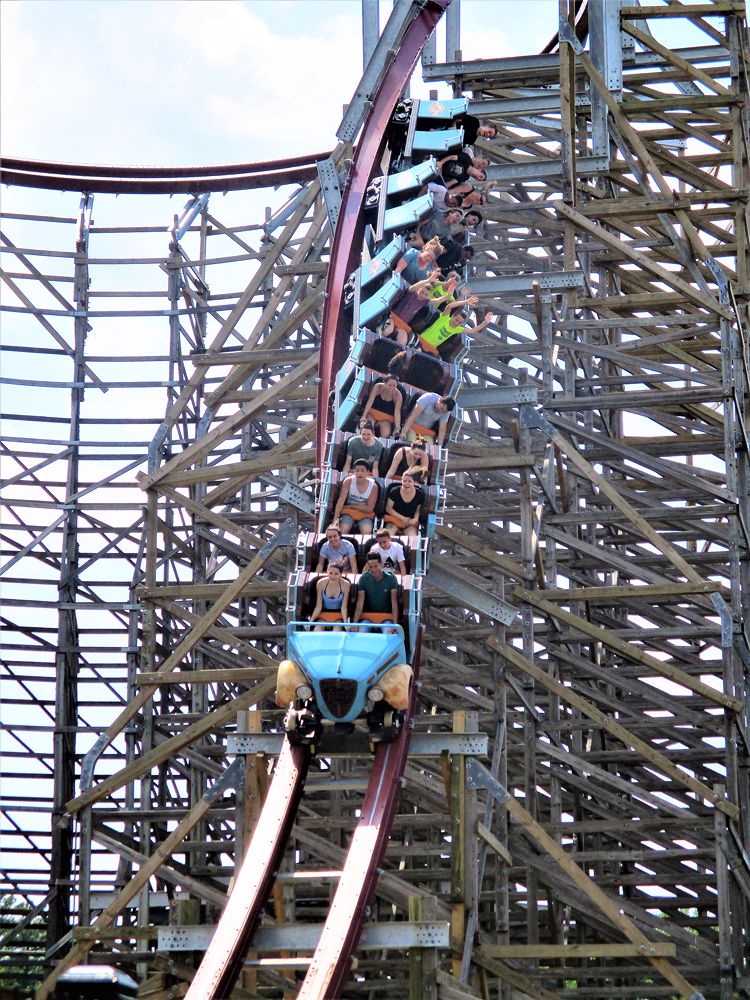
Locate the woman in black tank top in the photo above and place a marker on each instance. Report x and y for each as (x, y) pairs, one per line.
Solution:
(412, 456)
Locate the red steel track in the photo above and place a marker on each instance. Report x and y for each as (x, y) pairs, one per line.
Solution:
(347, 239)
(332, 960)
(158, 180)
(338, 940)
(222, 962)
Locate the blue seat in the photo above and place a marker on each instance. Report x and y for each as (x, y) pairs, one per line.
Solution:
(437, 141)
(381, 300)
(443, 111)
(382, 263)
(415, 177)
(348, 393)
(408, 214)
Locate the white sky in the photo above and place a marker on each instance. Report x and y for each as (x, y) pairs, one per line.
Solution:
(190, 81)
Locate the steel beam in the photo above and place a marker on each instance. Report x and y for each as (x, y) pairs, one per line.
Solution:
(420, 745)
(469, 590)
(305, 937)
(549, 281)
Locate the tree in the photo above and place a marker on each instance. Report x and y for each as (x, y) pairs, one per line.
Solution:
(21, 947)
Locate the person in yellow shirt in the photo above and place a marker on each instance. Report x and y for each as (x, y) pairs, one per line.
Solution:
(451, 323)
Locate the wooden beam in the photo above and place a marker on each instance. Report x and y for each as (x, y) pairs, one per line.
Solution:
(607, 905)
(253, 360)
(519, 980)
(170, 747)
(265, 268)
(281, 332)
(248, 470)
(284, 449)
(670, 56)
(470, 543)
(628, 650)
(208, 591)
(715, 8)
(565, 952)
(201, 511)
(237, 675)
(626, 592)
(643, 260)
(615, 728)
(511, 460)
(222, 635)
(603, 484)
(639, 146)
(204, 445)
(230, 593)
(491, 840)
(133, 886)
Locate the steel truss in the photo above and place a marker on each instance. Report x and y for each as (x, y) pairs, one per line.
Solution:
(600, 485)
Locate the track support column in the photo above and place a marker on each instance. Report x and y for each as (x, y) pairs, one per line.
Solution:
(423, 962)
(67, 657)
(463, 823)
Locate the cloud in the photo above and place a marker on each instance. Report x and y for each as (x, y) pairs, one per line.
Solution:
(176, 82)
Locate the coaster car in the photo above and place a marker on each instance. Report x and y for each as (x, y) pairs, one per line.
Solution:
(338, 676)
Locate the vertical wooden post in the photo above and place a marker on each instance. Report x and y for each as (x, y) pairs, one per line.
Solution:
(723, 908)
(67, 657)
(423, 962)
(249, 806)
(187, 913)
(463, 861)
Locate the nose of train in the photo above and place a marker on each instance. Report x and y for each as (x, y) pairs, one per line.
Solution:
(341, 667)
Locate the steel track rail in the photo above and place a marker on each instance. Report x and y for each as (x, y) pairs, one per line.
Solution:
(223, 959)
(332, 960)
(331, 963)
(347, 239)
(158, 180)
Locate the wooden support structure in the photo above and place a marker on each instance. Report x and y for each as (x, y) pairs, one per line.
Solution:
(151, 466)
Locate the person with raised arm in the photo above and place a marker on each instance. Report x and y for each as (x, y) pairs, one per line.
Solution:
(451, 323)
(415, 265)
(410, 456)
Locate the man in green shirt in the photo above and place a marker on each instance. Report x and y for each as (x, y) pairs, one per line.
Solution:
(451, 324)
(377, 597)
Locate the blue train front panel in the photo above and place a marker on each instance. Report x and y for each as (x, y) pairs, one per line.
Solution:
(345, 672)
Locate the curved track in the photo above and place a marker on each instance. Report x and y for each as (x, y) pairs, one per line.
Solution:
(223, 961)
(332, 960)
(158, 180)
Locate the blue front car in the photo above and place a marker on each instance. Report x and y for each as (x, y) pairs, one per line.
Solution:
(344, 667)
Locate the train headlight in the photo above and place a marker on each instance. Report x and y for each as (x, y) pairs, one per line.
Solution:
(290, 677)
(375, 694)
(304, 692)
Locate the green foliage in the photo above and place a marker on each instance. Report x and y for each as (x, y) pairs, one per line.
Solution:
(21, 956)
